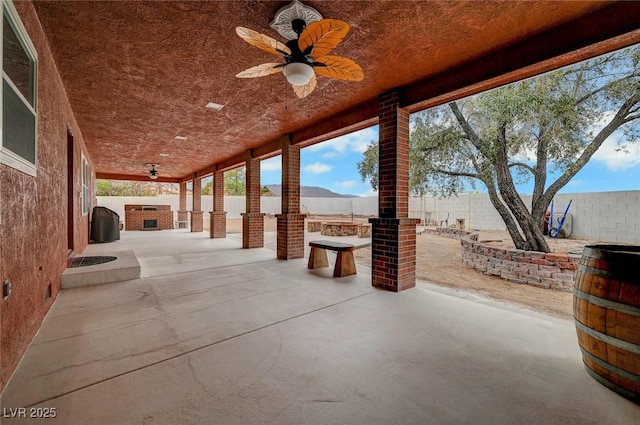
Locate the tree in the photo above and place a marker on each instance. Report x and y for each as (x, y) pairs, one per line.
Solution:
(234, 182)
(116, 188)
(207, 189)
(550, 123)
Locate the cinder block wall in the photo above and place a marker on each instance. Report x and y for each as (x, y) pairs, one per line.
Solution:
(602, 216)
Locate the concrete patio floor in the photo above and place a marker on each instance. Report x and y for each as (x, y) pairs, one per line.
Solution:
(214, 334)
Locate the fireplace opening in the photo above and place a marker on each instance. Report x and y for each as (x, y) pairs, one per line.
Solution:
(150, 224)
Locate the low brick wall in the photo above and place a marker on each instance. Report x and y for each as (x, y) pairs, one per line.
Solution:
(446, 232)
(544, 270)
(336, 228)
(314, 225)
(364, 231)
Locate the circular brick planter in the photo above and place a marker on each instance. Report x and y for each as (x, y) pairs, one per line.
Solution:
(543, 270)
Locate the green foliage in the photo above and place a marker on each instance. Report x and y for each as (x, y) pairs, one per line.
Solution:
(551, 123)
(207, 189)
(129, 188)
(234, 182)
(368, 166)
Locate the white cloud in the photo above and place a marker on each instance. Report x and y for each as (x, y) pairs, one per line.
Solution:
(352, 142)
(330, 155)
(369, 192)
(615, 153)
(318, 168)
(271, 164)
(615, 158)
(346, 184)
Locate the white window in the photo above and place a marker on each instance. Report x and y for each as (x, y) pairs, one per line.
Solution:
(18, 142)
(85, 186)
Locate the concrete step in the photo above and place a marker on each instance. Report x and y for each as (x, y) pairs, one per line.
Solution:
(126, 267)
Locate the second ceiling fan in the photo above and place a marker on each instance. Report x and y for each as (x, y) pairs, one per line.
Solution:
(304, 56)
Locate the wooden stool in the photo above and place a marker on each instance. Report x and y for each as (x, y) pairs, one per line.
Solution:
(345, 263)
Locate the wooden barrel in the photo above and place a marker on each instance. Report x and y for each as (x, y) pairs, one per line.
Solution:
(606, 309)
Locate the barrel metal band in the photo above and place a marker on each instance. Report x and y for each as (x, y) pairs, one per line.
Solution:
(612, 305)
(617, 273)
(611, 368)
(614, 387)
(609, 339)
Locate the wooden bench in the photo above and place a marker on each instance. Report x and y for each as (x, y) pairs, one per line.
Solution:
(345, 263)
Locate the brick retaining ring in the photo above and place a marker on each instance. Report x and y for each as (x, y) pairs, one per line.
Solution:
(543, 270)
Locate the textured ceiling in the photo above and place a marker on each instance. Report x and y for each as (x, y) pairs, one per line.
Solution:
(140, 73)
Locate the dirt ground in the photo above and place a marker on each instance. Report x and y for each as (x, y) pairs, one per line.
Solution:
(438, 261)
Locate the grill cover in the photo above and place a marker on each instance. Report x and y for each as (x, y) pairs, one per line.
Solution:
(105, 225)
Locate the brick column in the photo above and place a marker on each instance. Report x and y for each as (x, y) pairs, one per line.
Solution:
(290, 222)
(196, 211)
(183, 214)
(393, 233)
(218, 217)
(253, 219)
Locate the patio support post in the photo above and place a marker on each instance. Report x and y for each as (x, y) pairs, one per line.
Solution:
(393, 232)
(218, 217)
(253, 219)
(290, 222)
(183, 214)
(196, 213)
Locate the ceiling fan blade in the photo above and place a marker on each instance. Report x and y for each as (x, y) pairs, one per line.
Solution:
(304, 91)
(263, 42)
(338, 67)
(261, 70)
(322, 36)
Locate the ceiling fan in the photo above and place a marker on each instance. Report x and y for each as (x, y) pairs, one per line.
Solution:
(153, 173)
(306, 53)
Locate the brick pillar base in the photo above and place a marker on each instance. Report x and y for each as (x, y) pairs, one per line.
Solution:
(290, 236)
(218, 224)
(196, 221)
(252, 230)
(393, 255)
(183, 216)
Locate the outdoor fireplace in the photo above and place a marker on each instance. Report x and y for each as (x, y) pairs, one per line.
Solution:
(148, 217)
(150, 224)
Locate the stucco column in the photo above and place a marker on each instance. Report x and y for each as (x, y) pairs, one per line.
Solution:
(196, 211)
(183, 214)
(253, 219)
(218, 217)
(393, 233)
(290, 222)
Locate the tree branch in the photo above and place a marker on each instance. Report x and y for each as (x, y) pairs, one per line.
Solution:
(631, 118)
(586, 155)
(457, 173)
(523, 165)
(466, 127)
(605, 87)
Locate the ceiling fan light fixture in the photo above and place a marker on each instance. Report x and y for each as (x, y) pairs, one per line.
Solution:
(298, 73)
(153, 173)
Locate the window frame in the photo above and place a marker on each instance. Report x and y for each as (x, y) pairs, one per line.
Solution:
(8, 157)
(84, 184)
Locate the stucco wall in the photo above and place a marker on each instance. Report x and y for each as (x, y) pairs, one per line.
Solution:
(33, 217)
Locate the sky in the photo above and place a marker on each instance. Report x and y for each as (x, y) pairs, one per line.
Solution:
(333, 165)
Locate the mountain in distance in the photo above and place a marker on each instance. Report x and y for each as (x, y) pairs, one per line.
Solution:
(309, 192)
